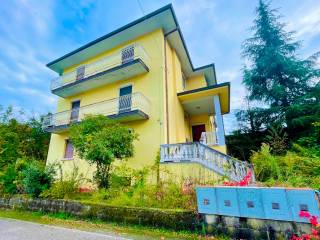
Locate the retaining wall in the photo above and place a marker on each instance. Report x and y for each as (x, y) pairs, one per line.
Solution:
(237, 228)
(172, 219)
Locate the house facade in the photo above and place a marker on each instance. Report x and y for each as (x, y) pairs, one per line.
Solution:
(141, 75)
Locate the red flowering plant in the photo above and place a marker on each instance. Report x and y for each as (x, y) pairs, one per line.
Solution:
(245, 181)
(314, 230)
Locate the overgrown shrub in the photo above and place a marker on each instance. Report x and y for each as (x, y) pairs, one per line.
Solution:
(65, 187)
(7, 180)
(266, 165)
(297, 168)
(168, 195)
(61, 190)
(37, 178)
(100, 141)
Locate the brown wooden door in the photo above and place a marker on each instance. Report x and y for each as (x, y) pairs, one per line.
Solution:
(196, 132)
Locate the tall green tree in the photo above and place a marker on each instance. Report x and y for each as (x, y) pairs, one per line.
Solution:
(100, 141)
(21, 138)
(277, 77)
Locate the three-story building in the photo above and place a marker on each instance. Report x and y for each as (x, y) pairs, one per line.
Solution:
(141, 75)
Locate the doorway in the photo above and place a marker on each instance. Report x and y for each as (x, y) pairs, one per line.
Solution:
(196, 132)
(125, 100)
(75, 107)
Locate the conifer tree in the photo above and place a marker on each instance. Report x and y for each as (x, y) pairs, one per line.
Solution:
(276, 76)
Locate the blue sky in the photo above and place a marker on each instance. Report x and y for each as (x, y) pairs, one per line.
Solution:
(33, 32)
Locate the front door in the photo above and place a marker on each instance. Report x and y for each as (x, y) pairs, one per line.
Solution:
(125, 99)
(196, 132)
(75, 107)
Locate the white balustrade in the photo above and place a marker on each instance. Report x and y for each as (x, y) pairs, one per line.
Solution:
(208, 138)
(126, 103)
(206, 156)
(117, 59)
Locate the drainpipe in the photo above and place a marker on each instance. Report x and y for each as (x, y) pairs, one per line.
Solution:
(166, 87)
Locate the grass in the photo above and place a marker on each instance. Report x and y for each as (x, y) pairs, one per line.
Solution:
(131, 231)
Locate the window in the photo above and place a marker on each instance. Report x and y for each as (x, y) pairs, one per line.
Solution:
(80, 73)
(206, 201)
(75, 107)
(275, 206)
(250, 204)
(304, 207)
(125, 100)
(68, 152)
(227, 203)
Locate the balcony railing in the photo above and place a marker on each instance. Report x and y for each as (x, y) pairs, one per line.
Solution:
(208, 138)
(209, 158)
(135, 105)
(119, 58)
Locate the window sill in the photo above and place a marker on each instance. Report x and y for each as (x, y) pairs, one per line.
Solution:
(67, 159)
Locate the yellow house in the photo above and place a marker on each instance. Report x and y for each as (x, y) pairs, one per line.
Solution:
(141, 75)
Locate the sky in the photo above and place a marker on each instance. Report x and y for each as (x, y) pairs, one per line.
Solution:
(34, 32)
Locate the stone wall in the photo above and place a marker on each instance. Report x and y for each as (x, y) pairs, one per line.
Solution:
(172, 219)
(238, 228)
(251, 228)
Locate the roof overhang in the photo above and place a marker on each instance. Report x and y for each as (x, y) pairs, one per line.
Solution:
(163, 18)
(200, 101)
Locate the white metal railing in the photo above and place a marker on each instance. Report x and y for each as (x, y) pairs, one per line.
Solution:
(126, 103)
(208, 138)
(123, 56)
(196, 152)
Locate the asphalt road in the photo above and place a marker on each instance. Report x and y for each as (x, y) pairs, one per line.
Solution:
(20, 230)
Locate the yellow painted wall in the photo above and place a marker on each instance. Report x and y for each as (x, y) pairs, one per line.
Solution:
(151, 131)
(196, 82)
(182, 171)
(222, 149)
(176, 116)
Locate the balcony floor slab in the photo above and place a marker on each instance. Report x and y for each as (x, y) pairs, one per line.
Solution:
(122, 72)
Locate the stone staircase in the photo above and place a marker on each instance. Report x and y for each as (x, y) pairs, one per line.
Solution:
(209, 158)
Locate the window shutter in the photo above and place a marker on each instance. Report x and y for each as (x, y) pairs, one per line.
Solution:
(68, 150)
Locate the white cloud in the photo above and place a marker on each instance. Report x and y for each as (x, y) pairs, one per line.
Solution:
(26, 29)
(39, 96)
(307, 25)
(190, 10)
(238, 91)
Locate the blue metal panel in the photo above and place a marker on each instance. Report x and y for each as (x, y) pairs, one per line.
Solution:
(206, 199)
(302, 200)
(227, 201)
(250, 202)
(275, 204)
(265, 203)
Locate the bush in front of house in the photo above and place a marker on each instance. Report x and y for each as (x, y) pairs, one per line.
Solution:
(65, 187)
(37, 178)
(61, 190)
(100, 141)
(7, 180)
(26, 175)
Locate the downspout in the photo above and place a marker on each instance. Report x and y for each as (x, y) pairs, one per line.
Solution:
(166, 88)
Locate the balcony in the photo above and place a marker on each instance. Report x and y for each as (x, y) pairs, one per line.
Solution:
(126, 108)
(128, 62)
